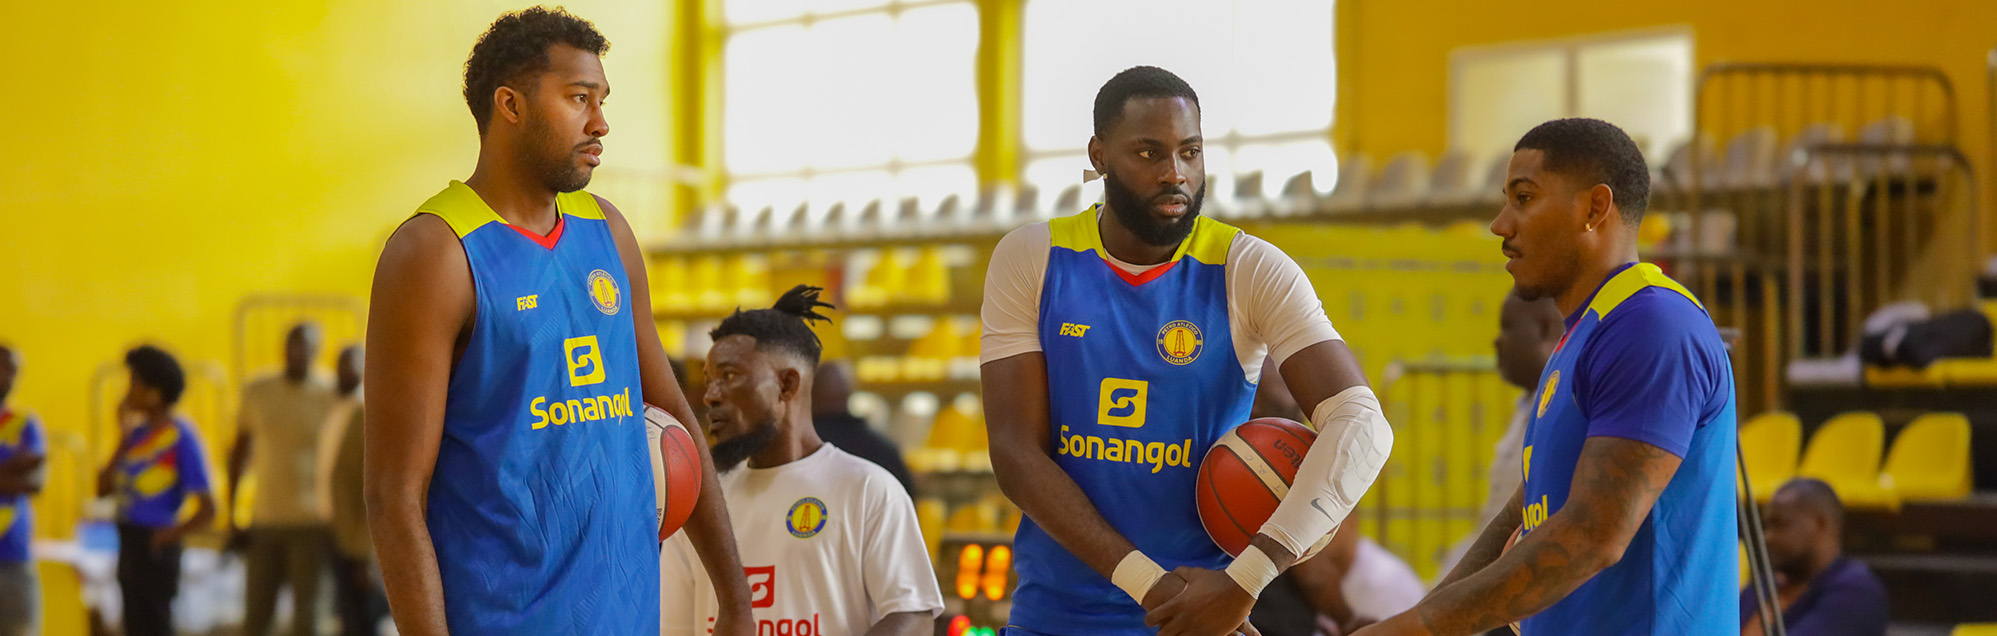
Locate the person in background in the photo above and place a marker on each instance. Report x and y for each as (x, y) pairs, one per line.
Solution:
(830, 543)
(1351, 584)
(1528, 330)
(277, 441)
(838, 426)
(158, 466)
(353, 552)
(1823, 592)
(22, 449)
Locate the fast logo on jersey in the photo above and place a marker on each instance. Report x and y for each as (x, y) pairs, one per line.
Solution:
(584, 359)
(603, 292)
(1179, 342)
(1122, 405)
(806, 518)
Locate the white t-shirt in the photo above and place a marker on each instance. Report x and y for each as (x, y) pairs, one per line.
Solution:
(829, 542)
(1272, 310)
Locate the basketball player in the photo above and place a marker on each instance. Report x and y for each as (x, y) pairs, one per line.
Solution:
(1139, 324)
(832, 544)
(1626, 515)
(511, 355)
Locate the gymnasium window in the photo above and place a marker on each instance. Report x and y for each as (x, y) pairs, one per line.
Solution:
(1641, 82)
(819, 105)
(1264, 72)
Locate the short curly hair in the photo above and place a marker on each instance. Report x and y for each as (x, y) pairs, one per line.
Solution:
(517, 45)
(154, 367)
(1135, 83)
(1595, 151)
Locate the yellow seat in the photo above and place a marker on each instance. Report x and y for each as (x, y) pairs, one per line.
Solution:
(1929, 460)
(1975, 629)
(1845, 452)
(1967, 371)
(1889, 377)
(1770, 444)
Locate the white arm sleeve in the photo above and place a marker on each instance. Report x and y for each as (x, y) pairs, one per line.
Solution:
(678, 587)
(1271, 305)
(1353, 442)
(1011, 312)
(894, 559)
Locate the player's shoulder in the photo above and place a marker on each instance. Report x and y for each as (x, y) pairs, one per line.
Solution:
(865, 476)
(1658, 310)
(1026, 239)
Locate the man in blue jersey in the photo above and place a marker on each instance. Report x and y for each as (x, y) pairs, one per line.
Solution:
(1625, 520)
(511, 357)
(1119, 343)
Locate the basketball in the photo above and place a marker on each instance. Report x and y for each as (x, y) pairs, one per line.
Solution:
(675, 469)
(1245, 475)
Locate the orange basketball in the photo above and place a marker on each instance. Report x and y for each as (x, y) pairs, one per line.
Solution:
(675, 469)
(1245, 475)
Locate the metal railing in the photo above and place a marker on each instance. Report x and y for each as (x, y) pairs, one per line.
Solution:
(1905, 228)
(1742, 202)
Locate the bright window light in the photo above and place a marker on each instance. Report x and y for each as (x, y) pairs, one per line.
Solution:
(825, 109)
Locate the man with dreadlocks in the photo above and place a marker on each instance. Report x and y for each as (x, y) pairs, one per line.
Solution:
(829, 541)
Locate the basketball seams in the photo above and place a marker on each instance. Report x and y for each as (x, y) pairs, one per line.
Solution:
(1214, 488)
(1265, 471)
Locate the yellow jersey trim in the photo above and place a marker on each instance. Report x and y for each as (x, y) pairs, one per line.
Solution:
(1629, 282)
(464, 211)
(1208, 243)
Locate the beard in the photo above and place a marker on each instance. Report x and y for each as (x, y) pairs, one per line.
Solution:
(1135, 214)
(557, 170)
(732, 452)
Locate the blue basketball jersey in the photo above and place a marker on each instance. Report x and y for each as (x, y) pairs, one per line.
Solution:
(1642, 361)
(541, 507)
(1142, 378)
(20, 433)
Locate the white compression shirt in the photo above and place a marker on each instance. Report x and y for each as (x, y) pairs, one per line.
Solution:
(1272, 310)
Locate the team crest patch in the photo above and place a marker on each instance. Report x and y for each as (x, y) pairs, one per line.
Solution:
(603, 292)
(806, 518)
(1179, 342)
(1546, 395)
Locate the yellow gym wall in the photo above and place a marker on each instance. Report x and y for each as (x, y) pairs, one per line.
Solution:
(167, 159)
(1394, 55)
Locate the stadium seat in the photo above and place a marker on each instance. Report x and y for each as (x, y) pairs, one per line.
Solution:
(1355, 173)
(1770, 444)
(1402, 183)
(1298, 196)
(1885, 377)
(1929, 460)
(1493, 188)
(1750, 160)
(1975, 629)
(1249, 200)
(1069, 201)
(1845, 452)
(1678, 168)
(1817, 171)
(1454, 181)
(1891, 129)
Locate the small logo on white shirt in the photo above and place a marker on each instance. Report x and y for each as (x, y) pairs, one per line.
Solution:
(806, 518)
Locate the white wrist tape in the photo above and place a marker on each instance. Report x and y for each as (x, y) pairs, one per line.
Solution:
(1136, 574)
(1353, 441)
(1253, 570)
